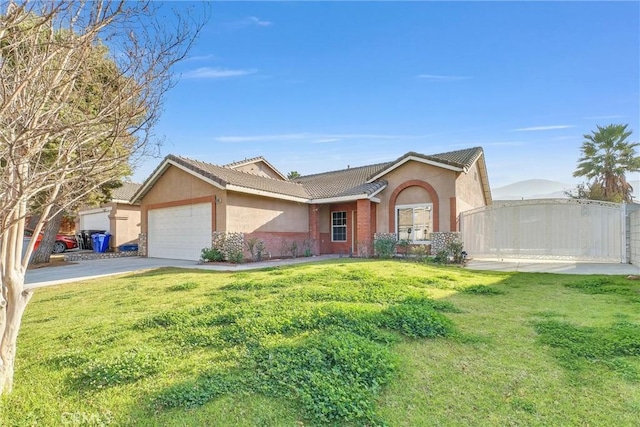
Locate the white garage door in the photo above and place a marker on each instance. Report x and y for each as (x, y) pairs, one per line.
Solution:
(179, 232)
(95, 221)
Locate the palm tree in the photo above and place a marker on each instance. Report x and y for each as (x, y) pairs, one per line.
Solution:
(606, 157)
(293, 175)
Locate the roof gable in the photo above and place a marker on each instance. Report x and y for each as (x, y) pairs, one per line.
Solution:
(262, 167)
(226, 178)
(458, 161)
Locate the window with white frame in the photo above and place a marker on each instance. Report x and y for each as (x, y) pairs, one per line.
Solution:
(414, 222)
(339, 226)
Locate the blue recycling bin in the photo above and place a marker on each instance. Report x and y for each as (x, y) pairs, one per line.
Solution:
(100, 242)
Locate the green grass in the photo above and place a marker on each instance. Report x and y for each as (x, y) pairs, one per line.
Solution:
(346, 342)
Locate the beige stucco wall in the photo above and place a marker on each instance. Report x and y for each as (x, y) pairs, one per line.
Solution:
(442, 180)
(247, 213)
(125, 224)
(469, 190)
(413, 195)
(178, 186)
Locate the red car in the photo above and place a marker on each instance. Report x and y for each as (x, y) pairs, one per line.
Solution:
(62, 242)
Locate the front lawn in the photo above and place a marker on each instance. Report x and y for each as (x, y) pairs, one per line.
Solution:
(346, 342)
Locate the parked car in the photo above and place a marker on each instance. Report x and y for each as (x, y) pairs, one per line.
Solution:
(62, 243)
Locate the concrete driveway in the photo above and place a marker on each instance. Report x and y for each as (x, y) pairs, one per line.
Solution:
(552, 266)
(92, 269)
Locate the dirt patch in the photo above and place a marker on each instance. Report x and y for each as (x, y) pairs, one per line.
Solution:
(54, 261)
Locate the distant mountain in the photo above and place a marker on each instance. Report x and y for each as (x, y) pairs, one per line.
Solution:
(531, 189)
(543, 189)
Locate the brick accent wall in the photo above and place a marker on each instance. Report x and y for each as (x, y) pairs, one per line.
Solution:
(314, 228)
(364, 230)
(325, 243)
(276, 243)
(343, 247)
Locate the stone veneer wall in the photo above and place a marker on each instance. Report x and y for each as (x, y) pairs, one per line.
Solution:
(228, 242)
(142, 244)
(74, 256)
(441, 239)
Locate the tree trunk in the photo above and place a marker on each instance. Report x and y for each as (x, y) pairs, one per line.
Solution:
(42, 255)
(12, 305)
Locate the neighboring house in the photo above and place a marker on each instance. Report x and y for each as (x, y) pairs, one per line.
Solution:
(120, 217)
(184, 201)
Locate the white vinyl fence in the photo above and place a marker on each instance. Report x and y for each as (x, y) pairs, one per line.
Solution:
(634, 237)
(548, 229)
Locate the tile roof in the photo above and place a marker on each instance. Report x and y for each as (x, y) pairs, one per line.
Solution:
(125, 192)
(224, 175)
(356, 181)
(345, 182)
(463, 158)
(353, 181)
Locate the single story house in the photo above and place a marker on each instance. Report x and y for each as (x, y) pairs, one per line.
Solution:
(184, 201)
(120, 217)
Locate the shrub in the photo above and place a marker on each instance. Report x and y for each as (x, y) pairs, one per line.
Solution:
(293, 249)
(212, 255)
(455, 249)
(384, 245)
(420, 252)
(442, 257)
(251, 247)
(403, 246)
(235, 256)
(256, 248)
(260, 249)
(307, 244)
(452, 253)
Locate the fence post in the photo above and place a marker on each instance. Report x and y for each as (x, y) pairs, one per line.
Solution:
(625, 236)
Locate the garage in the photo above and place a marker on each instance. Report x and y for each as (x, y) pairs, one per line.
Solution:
(179, 232)
(95, 219)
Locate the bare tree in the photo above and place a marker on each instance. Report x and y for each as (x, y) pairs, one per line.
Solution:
(62, 134)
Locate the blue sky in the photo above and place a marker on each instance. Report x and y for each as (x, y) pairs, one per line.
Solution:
(317, 86)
